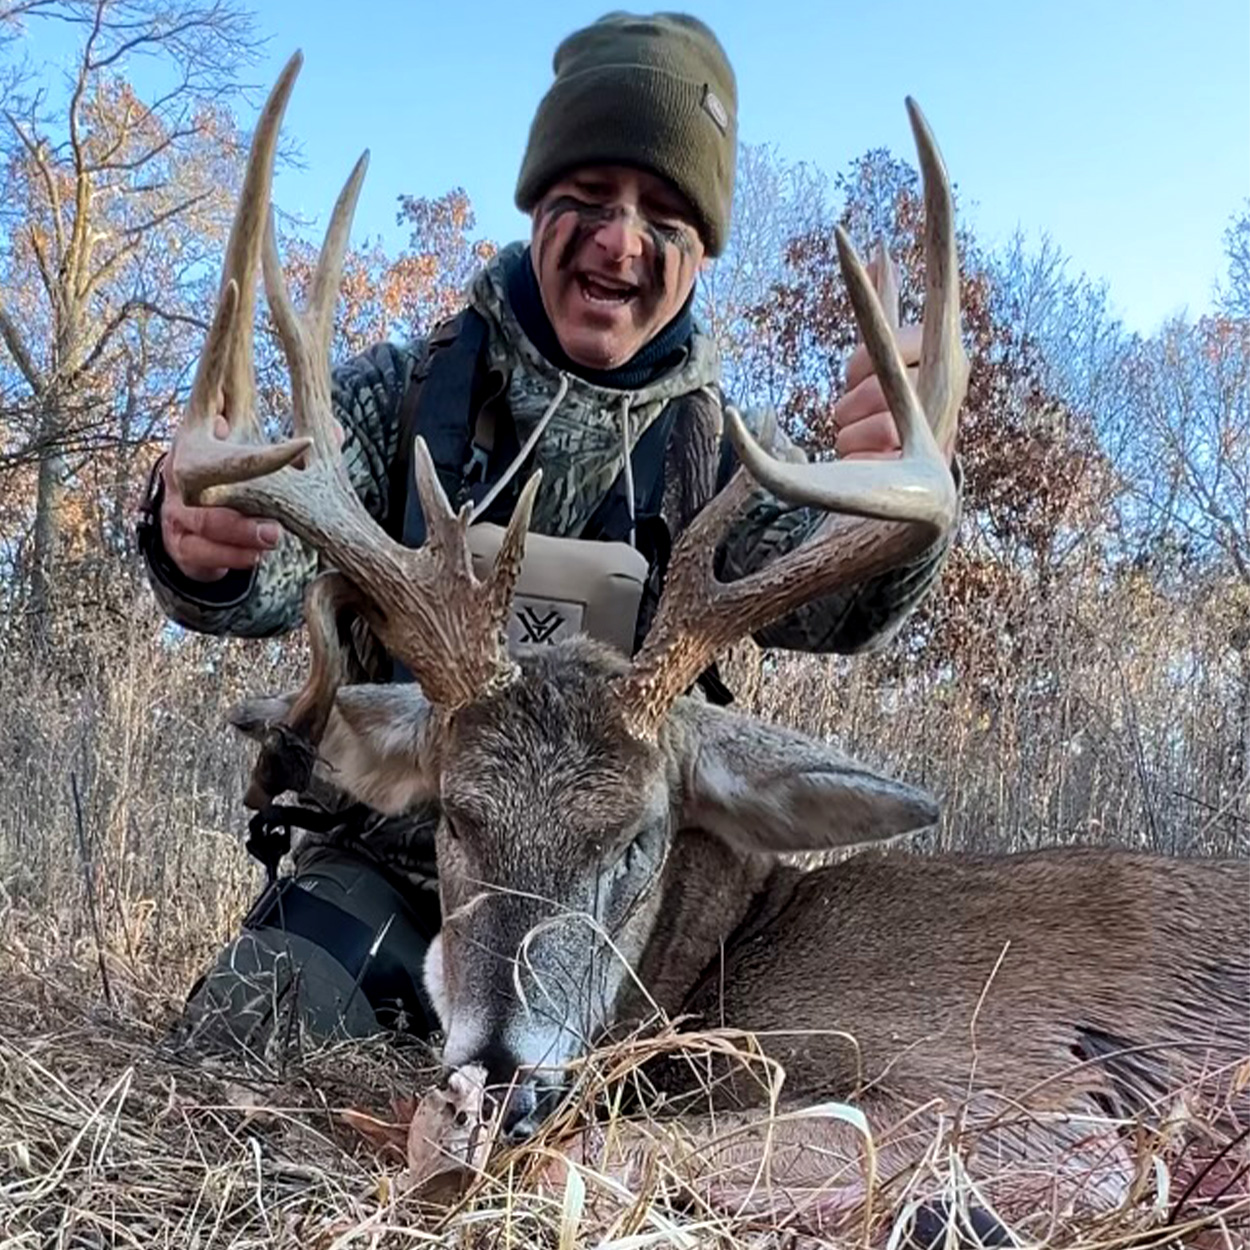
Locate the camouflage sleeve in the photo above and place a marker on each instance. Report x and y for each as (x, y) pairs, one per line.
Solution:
(367, 395)
(861, 617)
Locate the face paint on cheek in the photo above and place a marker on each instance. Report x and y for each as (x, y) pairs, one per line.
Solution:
(661, 241)
(568, 253)
(546, 238)
(587, 219)
(659, 259)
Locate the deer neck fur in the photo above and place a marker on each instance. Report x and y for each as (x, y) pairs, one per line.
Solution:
(709, 892)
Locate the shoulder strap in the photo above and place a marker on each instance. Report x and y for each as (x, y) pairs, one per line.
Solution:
(437, 405)
(691, 470)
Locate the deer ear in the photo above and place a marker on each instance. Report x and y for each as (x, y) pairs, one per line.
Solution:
(767, 789)
(375, 747)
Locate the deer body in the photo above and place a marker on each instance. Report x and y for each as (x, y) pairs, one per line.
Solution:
(590, 879)
(1022, 970)
(1108, 976)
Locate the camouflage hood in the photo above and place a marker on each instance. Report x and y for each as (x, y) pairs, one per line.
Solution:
(587, 430)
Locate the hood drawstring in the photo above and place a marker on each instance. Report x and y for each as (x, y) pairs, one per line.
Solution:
(536, 433)
(528, 446)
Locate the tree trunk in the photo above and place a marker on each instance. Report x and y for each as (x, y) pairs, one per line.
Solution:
(1241, 770)
(49, 493)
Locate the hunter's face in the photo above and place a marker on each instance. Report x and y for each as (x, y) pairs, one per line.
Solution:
(617, 253)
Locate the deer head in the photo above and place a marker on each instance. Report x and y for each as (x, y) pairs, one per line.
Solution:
(565, 776)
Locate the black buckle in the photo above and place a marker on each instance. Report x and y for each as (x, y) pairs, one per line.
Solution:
(269, 831)
(268, 840)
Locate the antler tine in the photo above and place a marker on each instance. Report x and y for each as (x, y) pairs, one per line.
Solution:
(244, 246)
(924, 492)
(876, 488)
(324, 292)
(943, 363)
(453, 637)
(278, 296)
(893, 509)
(224, 382)
(447, 534)
(887, 283)
(306, 336)
(694, 617)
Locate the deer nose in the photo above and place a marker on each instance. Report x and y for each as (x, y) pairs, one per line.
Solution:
(521, 1119)
(525, 1099)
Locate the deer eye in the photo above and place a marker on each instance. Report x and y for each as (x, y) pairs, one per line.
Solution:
(643, 851)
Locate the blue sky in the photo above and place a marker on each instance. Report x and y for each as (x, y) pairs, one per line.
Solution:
(1122, 129)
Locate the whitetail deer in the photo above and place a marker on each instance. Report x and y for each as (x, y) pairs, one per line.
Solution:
(609, 844)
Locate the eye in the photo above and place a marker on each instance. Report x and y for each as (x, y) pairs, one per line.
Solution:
(668, 220)
(453, 826)
(643, 853)
(586, 202)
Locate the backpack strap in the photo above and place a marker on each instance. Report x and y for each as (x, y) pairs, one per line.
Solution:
(439, 405)
(673, 465)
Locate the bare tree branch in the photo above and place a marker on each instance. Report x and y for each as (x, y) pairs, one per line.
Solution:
(17, 349)
(119, 319)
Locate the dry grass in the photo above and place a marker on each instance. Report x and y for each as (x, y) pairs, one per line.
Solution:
(109, 1137)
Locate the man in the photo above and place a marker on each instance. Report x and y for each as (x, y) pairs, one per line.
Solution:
(578, 354)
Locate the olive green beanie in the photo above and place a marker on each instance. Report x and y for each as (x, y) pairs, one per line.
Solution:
(655, 92)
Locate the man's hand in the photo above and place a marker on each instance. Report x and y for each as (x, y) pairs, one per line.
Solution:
(207, 543)
(864, 425)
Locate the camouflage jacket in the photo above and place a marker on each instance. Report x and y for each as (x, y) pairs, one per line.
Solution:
(582, 451)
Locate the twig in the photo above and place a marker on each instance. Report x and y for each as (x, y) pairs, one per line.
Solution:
(1221, 812)
(92, 908)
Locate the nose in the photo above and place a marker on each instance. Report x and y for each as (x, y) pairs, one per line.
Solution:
(525, 1099)
(521, 1112)
(621, 235)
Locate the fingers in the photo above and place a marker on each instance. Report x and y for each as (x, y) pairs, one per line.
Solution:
(865, 427)
(860, 365)
(206, 543)
(874, 434)
(864, 400)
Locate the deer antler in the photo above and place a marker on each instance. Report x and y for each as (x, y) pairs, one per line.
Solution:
(895, 508)
(426, 606)
(224, 377)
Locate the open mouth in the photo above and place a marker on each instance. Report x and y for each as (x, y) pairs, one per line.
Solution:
(597, 290)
